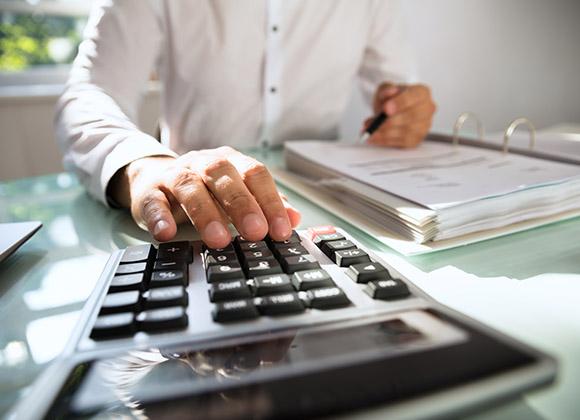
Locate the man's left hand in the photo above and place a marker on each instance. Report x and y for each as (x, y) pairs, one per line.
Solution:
(410, 111)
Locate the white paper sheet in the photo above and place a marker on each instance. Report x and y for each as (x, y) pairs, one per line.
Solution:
(404, 246)
(436, 175)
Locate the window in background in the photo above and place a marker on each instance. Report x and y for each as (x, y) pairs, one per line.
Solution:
(39, 38)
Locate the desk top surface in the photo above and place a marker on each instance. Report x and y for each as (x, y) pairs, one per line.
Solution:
(526, 284)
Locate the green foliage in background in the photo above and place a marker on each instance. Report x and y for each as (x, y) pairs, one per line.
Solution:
(24, 39)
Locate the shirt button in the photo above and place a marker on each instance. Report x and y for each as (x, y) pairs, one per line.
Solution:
(274, 28)
(273, 89)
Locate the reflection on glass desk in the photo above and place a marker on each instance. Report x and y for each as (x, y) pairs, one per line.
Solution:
(44, 285)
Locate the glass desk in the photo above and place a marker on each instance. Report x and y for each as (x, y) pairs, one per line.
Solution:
(44, 284)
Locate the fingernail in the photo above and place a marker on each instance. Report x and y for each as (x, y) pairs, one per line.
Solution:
(281, 227)
(391, 108)
(216, 232)
(253, 224)
(160, 226)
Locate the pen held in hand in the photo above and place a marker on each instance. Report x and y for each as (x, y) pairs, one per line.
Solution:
(373, 126)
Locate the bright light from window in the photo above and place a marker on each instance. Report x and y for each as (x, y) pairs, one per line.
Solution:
(36, 33)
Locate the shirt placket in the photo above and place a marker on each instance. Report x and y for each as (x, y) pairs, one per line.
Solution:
(272, 73)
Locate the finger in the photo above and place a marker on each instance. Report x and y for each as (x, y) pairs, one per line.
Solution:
(408, 98)
(200, 207)
(262, 186)
(366, 124)
(418, 114)
(154, 211)
(401, 136)
(293, 214)
(384, 92)
(226, 184)
(407, 141)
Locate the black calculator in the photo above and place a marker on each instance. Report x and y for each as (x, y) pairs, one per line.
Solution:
(310, 326)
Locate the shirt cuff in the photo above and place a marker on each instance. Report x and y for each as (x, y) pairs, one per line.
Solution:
(130, 149)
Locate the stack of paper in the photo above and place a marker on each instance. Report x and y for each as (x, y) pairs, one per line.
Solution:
(438, 191)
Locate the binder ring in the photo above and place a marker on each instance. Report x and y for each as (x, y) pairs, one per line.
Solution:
(459, 123)
(512, 127)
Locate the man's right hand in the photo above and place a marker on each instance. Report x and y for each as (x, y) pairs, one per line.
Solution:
(210, 188)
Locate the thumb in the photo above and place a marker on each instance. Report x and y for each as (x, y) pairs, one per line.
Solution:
(384, 92)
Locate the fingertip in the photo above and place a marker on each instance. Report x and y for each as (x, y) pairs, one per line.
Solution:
(216, 235)
(390, 108)
(254, 227)
(280, 228)
(294, 216)
(164, 230)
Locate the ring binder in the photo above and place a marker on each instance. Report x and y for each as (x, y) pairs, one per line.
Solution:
(459, 124)
(512, 127)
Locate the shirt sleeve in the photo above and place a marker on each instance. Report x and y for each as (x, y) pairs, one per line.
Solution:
(388, 54)
(96, 113)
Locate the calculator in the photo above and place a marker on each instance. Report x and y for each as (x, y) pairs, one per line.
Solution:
(310, 326)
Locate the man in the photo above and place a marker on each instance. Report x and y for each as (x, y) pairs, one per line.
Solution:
(236, 73)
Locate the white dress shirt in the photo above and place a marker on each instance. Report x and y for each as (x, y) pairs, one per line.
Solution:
(238, 73)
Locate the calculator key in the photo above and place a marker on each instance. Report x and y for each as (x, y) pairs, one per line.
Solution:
(168, 278)
(137, 253)
(328, 237)
(224, 272)
(165, 296)
(127, 282)
(216, 258)
(257, 255)
(387, 289)
(163, 319)
(252, 246)
(314, 231)
(290, 250)
(327, 298)
(170, 265)
(294, 239)
(177, 251)
(211, 251)
(262, 267)
(235, 310)
(365, 272)
(299, 263)
(113, 326)
(311, 279)
(228, 290)
(121, 302)
(329, 248)
(286, 303)
(131, 268)
(272, 284)
(350, 257)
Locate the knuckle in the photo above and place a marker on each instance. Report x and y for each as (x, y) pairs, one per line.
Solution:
(271, 198)
(217, 167)
(256, 170)
(237, 200)
(185, 179)
(424, 89)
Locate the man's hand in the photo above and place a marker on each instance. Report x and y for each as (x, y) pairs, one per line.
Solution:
(210, 188)
(410, 112)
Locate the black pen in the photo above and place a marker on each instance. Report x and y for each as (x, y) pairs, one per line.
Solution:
(373, 126)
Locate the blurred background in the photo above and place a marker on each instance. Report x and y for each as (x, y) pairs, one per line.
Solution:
(500, 59)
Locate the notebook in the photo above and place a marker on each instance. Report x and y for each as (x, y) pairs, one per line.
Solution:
(439, 195)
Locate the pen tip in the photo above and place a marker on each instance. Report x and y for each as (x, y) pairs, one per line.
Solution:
(364, 137)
